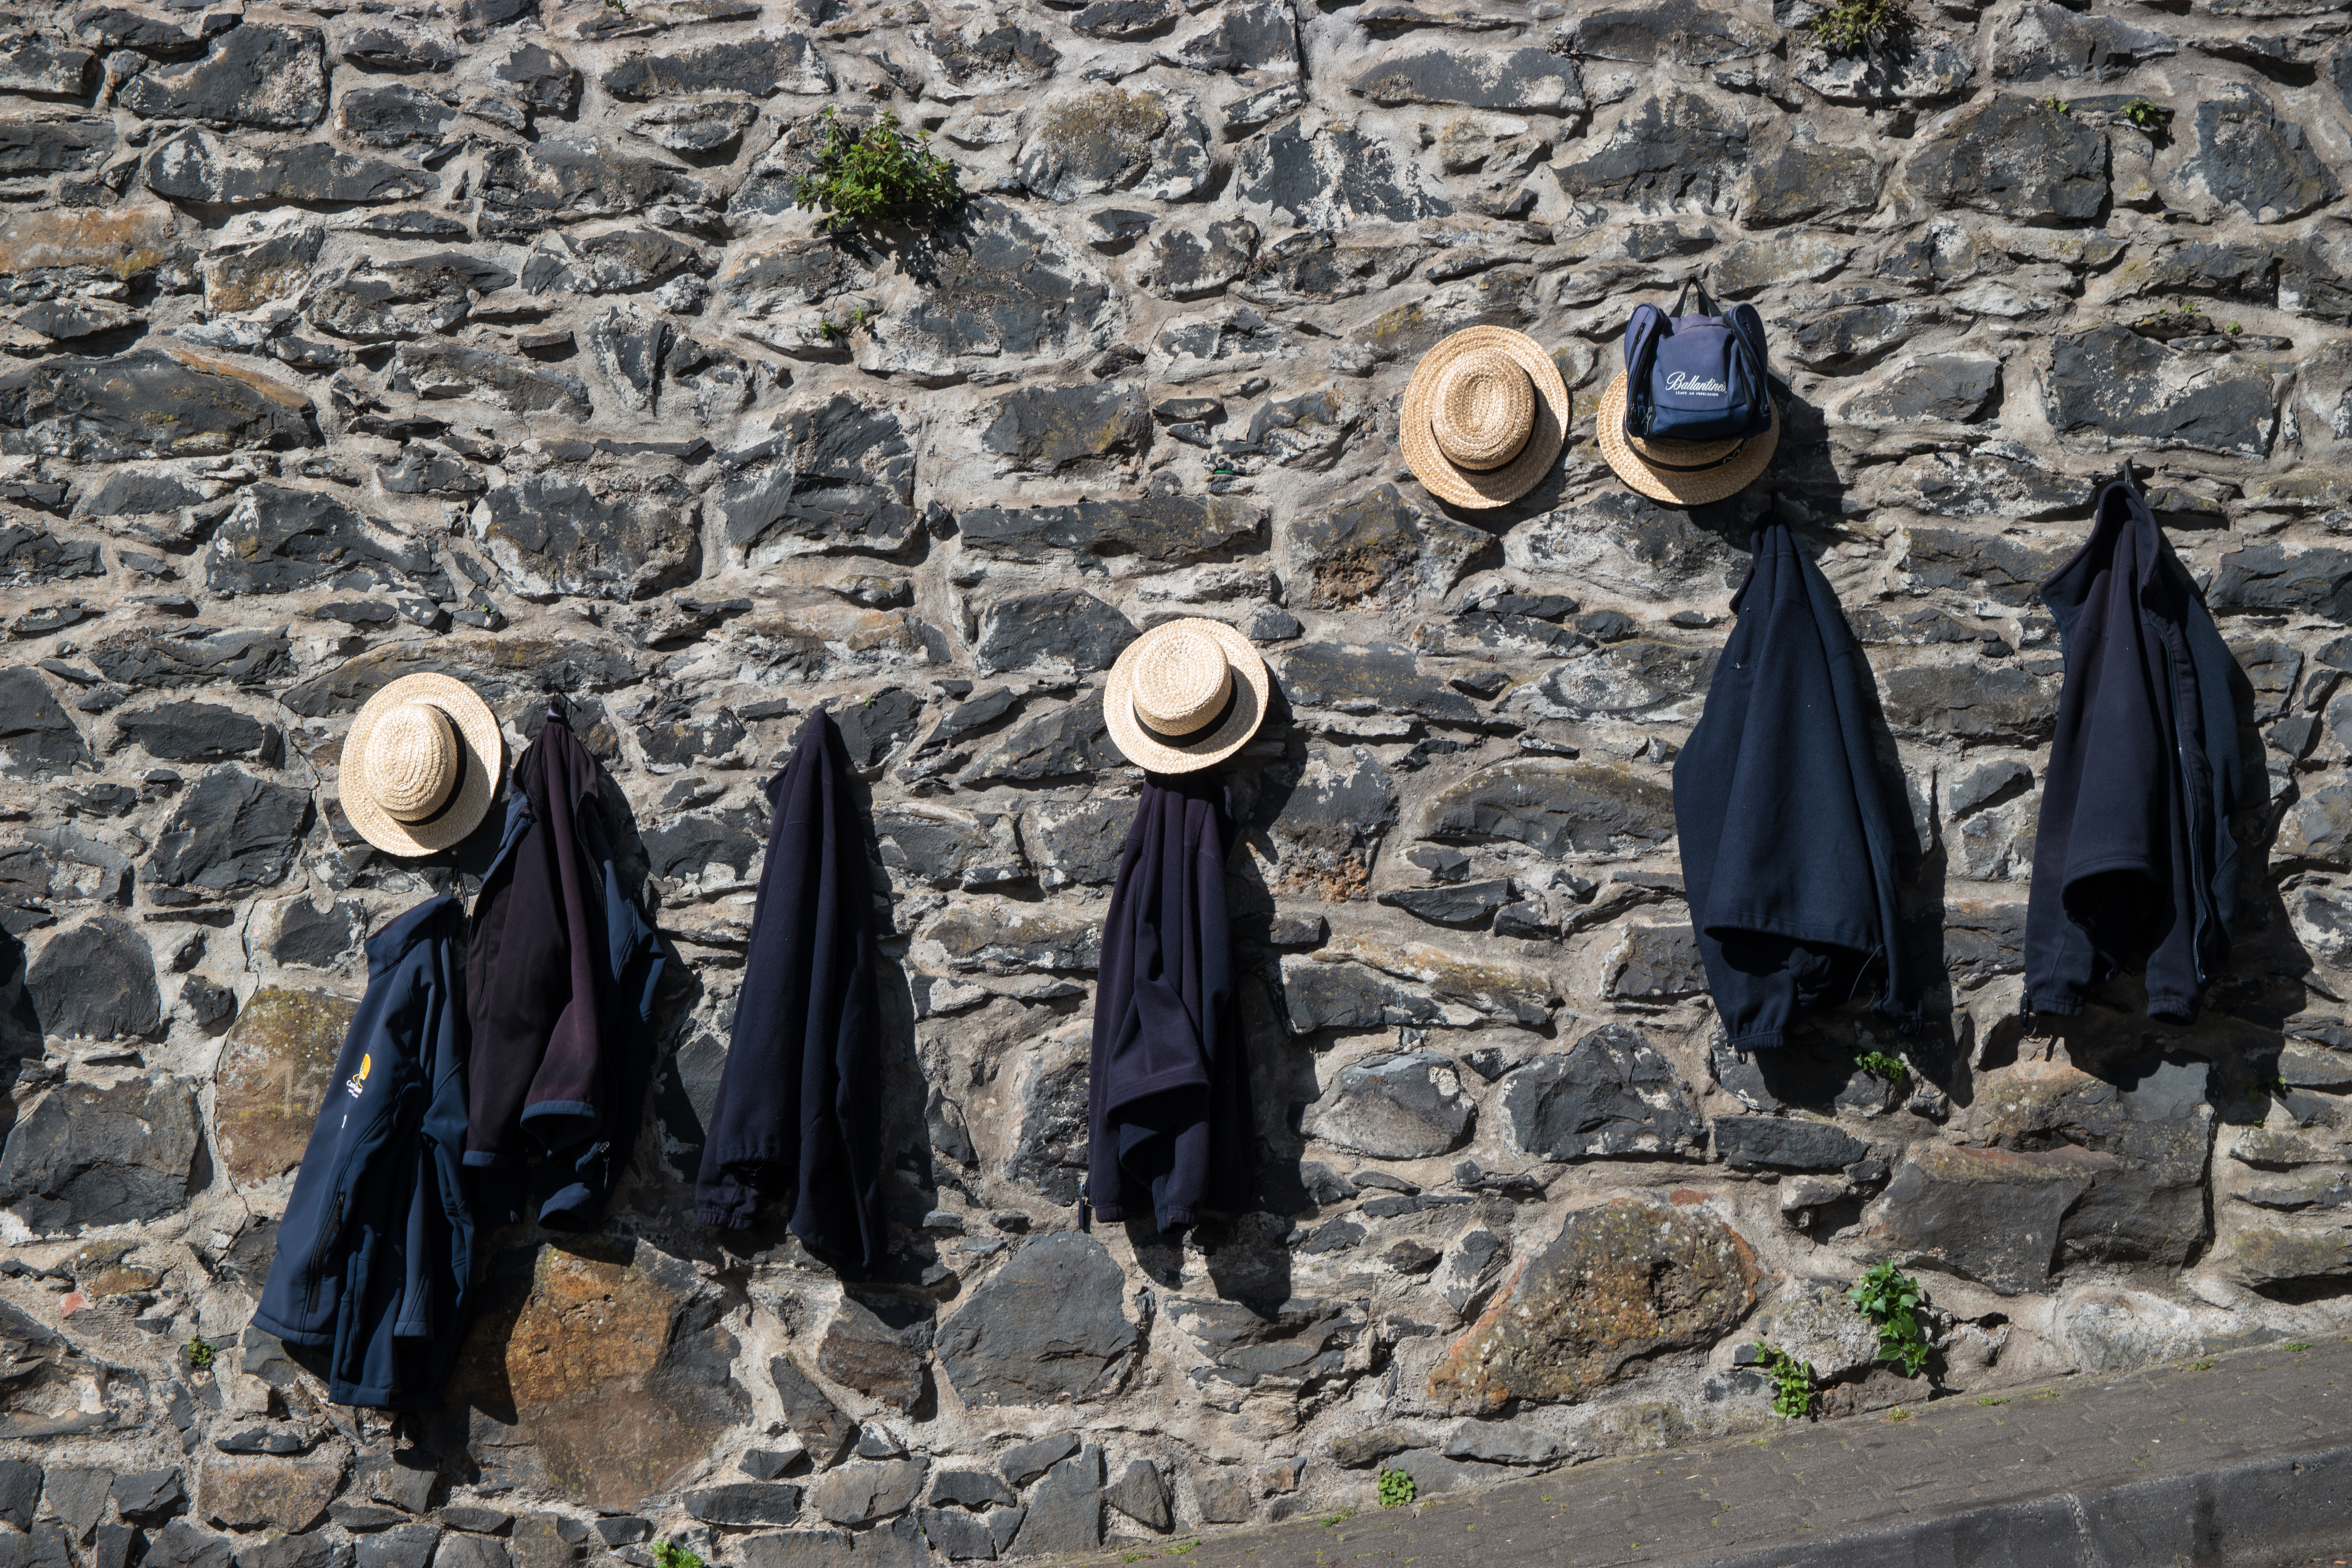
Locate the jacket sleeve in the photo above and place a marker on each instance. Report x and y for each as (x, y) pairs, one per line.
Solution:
(564, 1103)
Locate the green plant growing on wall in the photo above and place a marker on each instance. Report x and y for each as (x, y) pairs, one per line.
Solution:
(1792, 1382)
(670, 1555)
(2152, 118)
(1850, 27)
(874, 174)
(1890, 1299)
(2057, 105)
(1396, 1489)
(1881, 1065)
(201, 1351)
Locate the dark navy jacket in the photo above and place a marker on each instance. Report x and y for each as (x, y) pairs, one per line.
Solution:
(375, 1254)
(1169, 1124)
(2135, 867)
(562, 968)
(800, 1102)
(1789, 839)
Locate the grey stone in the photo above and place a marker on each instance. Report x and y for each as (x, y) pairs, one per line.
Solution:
(37, 736)
(147, 1496)
(2039, 41)
(1554, 808)
(1141, 1493)
(824, 1429)
(1116, 138)
(1924, 66)
(1611, 1093)
(96, 981)
(1025, 1462)
(555, 536)
(1059, 627)
(150, 401)
(78, 1494)
(1001, 285)
(1957, 387)
(1521, 80)
(183, 1543)
(2141, 1144)
(1069, 741)
(539, 77)
(466, 1551)
(745, 1503)
(1329, 177)
(1989, 1215)
(2113, 381)
(1504, 1443)
(839, 476)
(1407, 1107)
(2014, 158)
(1975, 702)
(32, 555)
(395, 115)
(969, 1489)
(1808, 180)
(1771, 1142)
(1191, 264)
(697, 127)
(780, 62)
(862, 1490)
(1251, 35)
(2249, 158)
(872, 728)
(43, 147)
(230, 832)
(796, 1548)
(1674, 150)
(2278, 577)
(1653, 963)
(1372, 678)
(500, 380)
(1076, 844)
(263, 75)
(563, 179)
(278, 540)
(1045, 1327)
(1319, 994)
(195, 166)
(401, 1546)
(296, 1552)
(1046, 430)
(112, 1155)
(1460, 904)
(30, 64)
(1066, 1508)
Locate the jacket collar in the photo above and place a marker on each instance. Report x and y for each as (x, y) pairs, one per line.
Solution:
(387, 947)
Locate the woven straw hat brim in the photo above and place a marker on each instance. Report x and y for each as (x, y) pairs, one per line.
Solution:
(1253, 687)
(1696, 486)
(1472, 488)
(477, 732)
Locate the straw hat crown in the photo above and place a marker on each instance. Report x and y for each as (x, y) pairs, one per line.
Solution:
(1484, 408)
(1181, 681)
(412, 761)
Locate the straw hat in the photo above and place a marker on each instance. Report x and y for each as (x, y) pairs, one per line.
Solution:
(1185, 696)
(420, 764)
(1484, 418)
(1681, 473)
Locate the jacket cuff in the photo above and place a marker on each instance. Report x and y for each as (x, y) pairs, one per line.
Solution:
(2057, 1004)
(1757, 1040)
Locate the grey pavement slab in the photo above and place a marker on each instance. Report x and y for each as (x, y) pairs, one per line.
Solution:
(2242, 1461)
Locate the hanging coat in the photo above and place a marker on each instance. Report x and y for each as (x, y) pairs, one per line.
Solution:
(799, 1103)
(2134, 865)
(1168, 1126)
(1789, 838)
(562, 970)
(374, 1256)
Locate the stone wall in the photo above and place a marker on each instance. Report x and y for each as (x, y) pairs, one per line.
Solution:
(348, 342)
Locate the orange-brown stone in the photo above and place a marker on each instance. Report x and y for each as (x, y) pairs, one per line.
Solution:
(1623, 1281)
(124, 240)
(581, 1355)
(274, 1070)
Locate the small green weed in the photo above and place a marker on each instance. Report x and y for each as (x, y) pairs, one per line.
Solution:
(1342, 1517)
(1396, 1489)
(1887, 1069)
(874, 174)
(200, 1354)
(1898, 1414)
(1181, 1548)
(2152, 118)
(2261, 1086)
(2295, 1347)
(2057, 105)
(1792, 1382)
(1990, 1401)
(670, 1555)
(1890, 1299)
(1850, 27)
(2200, 1366)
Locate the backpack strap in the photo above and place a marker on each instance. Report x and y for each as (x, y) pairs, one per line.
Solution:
(1642, 334)
(1747, 330)
(1707, 305)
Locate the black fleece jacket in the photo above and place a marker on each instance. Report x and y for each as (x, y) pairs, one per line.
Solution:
(1789, 836)
(2135, 867)
(1169, 1128)
(800, 1101)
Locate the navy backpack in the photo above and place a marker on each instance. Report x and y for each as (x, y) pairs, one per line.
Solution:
(1699, 377)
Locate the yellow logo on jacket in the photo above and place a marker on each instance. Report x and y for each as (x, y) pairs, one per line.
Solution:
(352, 1084)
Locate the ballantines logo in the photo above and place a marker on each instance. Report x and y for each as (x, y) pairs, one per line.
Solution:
(1684, 381)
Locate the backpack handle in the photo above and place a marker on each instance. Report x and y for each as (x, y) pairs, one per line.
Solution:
(1707, 305)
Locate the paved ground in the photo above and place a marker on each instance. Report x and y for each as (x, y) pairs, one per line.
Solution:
(2245, 1461)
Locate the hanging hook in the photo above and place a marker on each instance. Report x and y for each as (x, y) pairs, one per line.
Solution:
(555, 710)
